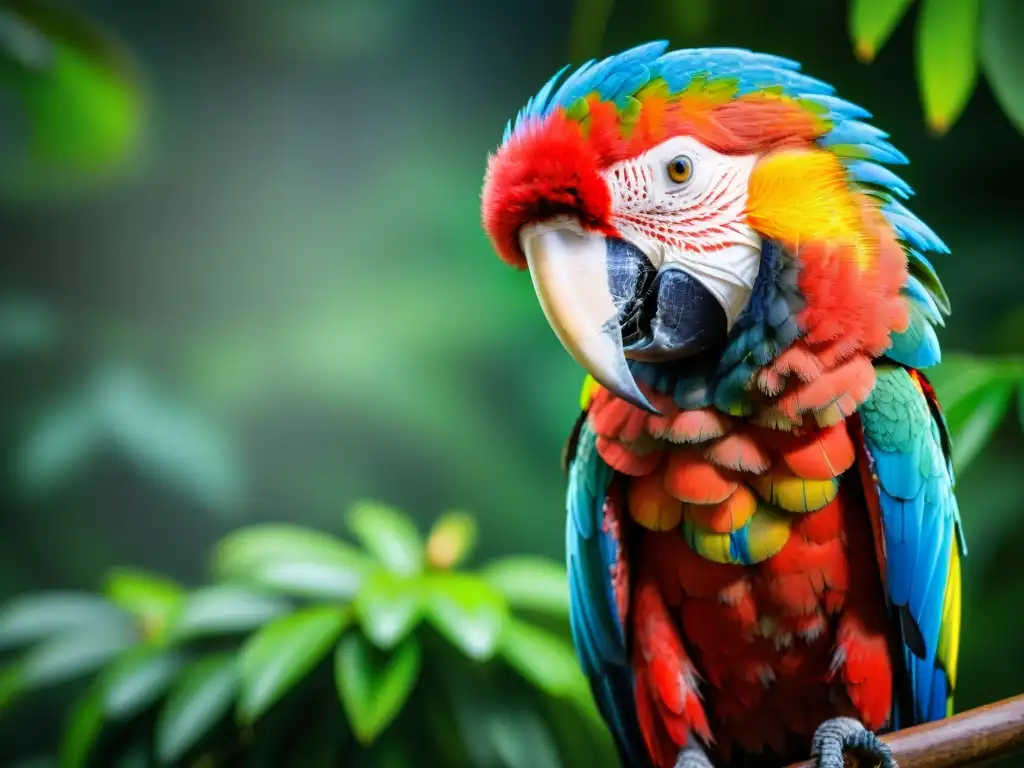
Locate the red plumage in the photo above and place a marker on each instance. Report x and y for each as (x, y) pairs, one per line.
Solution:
(747, 658)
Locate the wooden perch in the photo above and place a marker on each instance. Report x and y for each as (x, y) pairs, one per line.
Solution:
(969, 738)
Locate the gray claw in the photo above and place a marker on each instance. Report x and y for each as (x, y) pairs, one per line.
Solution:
(692, 756)
(844, 734)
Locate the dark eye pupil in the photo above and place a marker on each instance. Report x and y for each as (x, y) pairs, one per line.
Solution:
(680, 166)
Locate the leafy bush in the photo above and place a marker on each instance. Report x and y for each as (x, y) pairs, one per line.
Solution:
(307, 650)
(954, 39)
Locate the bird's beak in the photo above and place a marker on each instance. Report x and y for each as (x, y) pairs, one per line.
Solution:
(605, 301)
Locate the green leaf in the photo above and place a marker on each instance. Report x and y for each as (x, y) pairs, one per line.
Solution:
(1002, 57)
(153, 599)
(947, 59)
(451, 540)
(467, 611)
(137, 680)
(545, 660)
(974, 393)
(224, 609)
(292, 560)
(33, 617)
(388, 607)
(197, 702)
(282, 653)
(82, 96)
(82, 731)
(530, 583)
(872, 23)
(69, 656)
(973, 419)
(374, 686)
(389, 536)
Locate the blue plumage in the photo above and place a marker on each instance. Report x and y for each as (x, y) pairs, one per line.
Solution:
(597, 629)
(920, 519)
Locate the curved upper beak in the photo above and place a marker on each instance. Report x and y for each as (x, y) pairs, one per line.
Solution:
(605, 301)
(569, 267)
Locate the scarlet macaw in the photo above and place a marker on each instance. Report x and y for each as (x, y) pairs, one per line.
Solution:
(763, 542)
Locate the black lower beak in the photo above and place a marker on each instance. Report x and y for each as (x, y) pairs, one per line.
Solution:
(664, 315)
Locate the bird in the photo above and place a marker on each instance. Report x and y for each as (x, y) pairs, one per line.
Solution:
(763, 542)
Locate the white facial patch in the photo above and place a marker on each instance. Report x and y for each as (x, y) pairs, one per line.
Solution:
(698, 224)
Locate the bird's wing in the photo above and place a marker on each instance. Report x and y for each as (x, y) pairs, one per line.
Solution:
(908, 482)
(598, 589)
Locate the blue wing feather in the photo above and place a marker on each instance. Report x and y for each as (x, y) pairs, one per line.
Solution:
(904, 440)
(597, 629)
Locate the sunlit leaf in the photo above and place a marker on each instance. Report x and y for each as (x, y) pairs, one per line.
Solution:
(198, 701)
(374, 685)
(282, 653)
(947, 58)
(293, 560)
(469, 612)
(530, 583)
(152, 598)
(70, 656)
(137, 680)
(451, 540)
(872, 23)
(33, 617)
(389, 535)
(82, 731)
(1002, 56)
(167, 441)
(82, 96)
(388, 607)
(224, 609)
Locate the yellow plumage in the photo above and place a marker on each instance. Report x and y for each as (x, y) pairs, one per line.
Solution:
(948, 651)
(795, 494)
(800, 196)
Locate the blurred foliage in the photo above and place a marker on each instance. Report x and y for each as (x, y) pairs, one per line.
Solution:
(299, 308)
(80, 92)
(322, 651)
(954, 39)
(115, 408)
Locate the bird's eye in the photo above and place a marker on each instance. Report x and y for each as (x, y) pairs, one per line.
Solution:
(680, 169)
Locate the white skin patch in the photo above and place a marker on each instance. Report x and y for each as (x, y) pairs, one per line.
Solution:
(698, 224)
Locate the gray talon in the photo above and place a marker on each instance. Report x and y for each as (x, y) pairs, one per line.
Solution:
(844, 734)
(692, 756)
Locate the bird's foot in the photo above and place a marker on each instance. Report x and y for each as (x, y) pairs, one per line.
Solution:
(842, 741)
(692, 756)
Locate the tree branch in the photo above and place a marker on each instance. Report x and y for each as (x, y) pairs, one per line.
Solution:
(969, 738)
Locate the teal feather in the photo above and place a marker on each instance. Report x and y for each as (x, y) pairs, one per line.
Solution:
(919, 520)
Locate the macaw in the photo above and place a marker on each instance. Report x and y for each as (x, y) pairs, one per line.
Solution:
(763, 542)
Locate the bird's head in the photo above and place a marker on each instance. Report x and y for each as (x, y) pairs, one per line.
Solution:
(643, 191)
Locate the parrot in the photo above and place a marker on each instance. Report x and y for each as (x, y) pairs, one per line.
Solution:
(763, 543)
